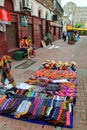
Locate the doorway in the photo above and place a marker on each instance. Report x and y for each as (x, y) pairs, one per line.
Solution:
(11, 34)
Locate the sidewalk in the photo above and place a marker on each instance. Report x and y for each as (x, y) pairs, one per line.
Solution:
(63, 52)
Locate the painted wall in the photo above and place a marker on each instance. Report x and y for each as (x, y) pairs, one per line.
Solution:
(38, 24)
(36, 6)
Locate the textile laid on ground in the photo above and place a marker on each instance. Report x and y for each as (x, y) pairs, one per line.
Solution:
(49, 99)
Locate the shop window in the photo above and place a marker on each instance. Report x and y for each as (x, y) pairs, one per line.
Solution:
(55, 18)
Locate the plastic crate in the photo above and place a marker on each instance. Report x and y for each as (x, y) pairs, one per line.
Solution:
(18, 55)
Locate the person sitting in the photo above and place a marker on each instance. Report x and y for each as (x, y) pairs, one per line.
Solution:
(23, 45)
(26, 46)
(29, 47)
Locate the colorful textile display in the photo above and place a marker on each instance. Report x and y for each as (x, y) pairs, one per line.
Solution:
(51, 64)
(52, 110)
(49, 98)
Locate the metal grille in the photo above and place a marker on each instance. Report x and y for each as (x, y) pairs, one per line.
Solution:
(11, 36)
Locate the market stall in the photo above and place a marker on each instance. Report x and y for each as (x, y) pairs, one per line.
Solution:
(46, 98)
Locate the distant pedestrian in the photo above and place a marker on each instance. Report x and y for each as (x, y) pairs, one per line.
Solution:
(64, 36)
(49, 41)
(68, 34)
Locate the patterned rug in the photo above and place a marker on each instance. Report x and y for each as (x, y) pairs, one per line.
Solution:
(25, 64)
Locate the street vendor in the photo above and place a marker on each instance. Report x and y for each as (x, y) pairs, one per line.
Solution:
(5, 66)
(29, 47)
(23, 45)
(26, 46)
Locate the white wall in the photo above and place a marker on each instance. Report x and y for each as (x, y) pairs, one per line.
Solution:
(36, 6)
(1, 2)
(16, 4)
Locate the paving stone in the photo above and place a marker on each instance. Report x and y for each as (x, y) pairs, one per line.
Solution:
(65, 52)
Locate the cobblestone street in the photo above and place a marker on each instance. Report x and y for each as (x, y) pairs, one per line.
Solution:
(63, 52)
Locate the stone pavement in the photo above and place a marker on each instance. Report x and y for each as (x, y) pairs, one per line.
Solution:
(63, 52)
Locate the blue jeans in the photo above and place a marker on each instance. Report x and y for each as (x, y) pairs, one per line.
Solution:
(24, 49)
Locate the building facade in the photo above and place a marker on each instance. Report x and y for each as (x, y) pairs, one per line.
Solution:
(21, 18)
(66, 22)
(75, 13)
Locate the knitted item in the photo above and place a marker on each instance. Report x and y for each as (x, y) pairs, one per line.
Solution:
(22, 109)
(55, 113)
(62, 118)
(4, 106)
(15, 105)
(10, 104)
(5, 65)
(2, 101)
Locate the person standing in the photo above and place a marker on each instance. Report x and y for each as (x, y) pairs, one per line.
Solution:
(64, 36)
(49, 38)
(68, 34)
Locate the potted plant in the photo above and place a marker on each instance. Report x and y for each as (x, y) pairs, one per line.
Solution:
(71, 38)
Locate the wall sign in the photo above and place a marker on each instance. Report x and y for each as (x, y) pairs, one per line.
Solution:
(55, 24)
(5, 16)
(24, 21)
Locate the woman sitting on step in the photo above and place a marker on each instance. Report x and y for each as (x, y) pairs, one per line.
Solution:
(26, 46)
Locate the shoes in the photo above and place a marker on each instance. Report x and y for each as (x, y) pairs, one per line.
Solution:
(32, 56)
(29, 58)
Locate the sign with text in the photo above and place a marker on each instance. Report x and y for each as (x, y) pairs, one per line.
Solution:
(55, 24)
(5, 16)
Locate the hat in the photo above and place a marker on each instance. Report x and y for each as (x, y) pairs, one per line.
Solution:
(66, 63)
(60, 63)
(74, 63)
(53, 62)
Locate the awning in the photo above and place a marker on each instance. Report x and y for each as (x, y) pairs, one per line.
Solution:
(82, 29)
(5, 16)
(70, 27)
